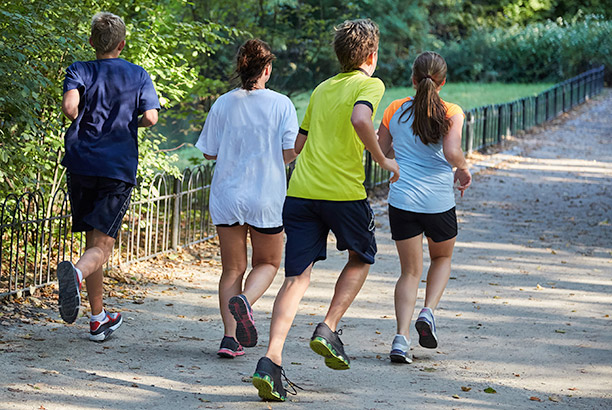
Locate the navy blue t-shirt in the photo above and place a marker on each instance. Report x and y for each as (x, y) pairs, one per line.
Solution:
(103, 140)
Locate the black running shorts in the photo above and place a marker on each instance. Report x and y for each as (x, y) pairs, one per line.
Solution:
(438, 227)
(98, 203)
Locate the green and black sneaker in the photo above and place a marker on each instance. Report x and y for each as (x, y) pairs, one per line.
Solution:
(267, 380)
(328, 344)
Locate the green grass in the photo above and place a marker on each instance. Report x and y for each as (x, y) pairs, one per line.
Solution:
(466, 95)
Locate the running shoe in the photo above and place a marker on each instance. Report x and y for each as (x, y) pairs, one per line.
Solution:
(400, 350)
(328, 344)
(100, 331)
(267, 380)
(69, 291)
(426, 326)
(246, 333)
(230, 348)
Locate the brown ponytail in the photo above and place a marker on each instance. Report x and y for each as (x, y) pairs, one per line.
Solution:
(430, 122)
(252, 58)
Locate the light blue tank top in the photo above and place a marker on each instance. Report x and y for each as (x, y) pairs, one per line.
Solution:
(426, 178)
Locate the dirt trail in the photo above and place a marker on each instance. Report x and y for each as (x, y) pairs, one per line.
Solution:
(526, 313)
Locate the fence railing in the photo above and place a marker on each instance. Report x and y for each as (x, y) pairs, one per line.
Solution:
(170, 213)
(36, 235)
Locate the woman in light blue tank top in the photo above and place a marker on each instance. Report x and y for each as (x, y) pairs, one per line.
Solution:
(424, 135)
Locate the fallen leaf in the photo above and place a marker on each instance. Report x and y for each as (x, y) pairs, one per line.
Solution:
(554, 399)
(455, 396)
(465, 388)
(534, 398)
(490, 390)
(559, 331)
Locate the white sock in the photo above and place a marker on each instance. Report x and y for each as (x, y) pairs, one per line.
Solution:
(99, 317)
(79, 274)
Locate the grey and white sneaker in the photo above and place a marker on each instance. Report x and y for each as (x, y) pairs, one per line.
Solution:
(426, 326)
(69, 291)
(400, 350)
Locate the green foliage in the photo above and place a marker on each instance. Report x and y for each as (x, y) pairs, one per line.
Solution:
(40, 38)
(548, 51)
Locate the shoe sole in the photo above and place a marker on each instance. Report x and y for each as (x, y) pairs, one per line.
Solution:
(69, 295)
(265, 388)
(246, 333)
(398, 358)
(228, 354)
(332, 360)
(427, 338)
(101, 337)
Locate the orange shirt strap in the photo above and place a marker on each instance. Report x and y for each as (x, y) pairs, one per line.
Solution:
(452, 109)
(391, 109)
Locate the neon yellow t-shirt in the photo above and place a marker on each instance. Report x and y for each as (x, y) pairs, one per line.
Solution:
(330, 166)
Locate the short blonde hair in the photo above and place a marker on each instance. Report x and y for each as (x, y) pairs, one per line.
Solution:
(354, 40)
(107, 31)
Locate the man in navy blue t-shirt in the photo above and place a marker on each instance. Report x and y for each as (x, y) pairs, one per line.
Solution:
(107, 100)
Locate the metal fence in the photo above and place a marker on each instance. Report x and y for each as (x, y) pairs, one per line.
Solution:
(36, 235)
(170, 212)
(489, 125)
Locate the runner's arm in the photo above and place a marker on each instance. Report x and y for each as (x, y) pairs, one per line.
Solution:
(70, 104)
(361, 119)
(385, 141)
(300, 141)
(148, 119)
(454, 154)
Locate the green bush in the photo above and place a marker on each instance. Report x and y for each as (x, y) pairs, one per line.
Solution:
(549, 51)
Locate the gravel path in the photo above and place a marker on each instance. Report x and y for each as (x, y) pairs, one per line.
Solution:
(524, 323)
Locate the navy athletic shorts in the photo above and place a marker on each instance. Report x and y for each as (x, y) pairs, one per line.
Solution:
(308, 222)
(98, 203)
(438, 227)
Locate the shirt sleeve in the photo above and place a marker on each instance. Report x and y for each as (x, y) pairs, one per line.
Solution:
(208, 142)
(392, 109)
(148, 96)
(452, 109)
(73, 79)
(289, 129)
(371, 92)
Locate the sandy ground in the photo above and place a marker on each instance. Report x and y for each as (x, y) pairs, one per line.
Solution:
(524, 323)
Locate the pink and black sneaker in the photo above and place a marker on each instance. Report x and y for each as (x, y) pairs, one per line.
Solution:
(246, 333)
(230, 348)
(100, 331)
(69, 291)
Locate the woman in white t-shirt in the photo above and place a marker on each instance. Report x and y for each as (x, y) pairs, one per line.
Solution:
(250, 132)
(424, 134)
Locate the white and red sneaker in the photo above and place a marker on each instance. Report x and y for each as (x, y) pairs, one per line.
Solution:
(100, 331)
(69, 291)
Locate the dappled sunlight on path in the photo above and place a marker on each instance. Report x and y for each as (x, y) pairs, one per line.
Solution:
(524, 323)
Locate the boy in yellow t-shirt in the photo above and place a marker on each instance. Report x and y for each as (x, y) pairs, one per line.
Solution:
(326, 193)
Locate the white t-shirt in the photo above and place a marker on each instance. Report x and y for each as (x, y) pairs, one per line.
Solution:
(248, 131)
